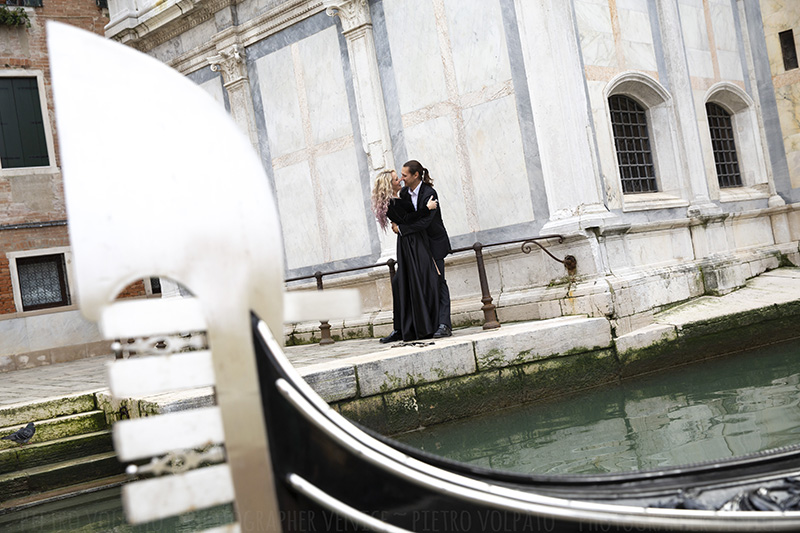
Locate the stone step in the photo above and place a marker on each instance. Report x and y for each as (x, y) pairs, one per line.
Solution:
(54, 498)
(40, 479)
(58, 428)
(48, 452)
(22, 413)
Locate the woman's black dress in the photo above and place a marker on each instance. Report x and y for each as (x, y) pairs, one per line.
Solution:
(415, 285)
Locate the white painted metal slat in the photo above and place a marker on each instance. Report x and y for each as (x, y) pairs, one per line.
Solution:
(160, 373)
(153, 316)
(156, 435)
(161, 497)
(320, 305)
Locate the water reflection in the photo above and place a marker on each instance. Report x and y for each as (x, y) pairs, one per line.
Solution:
(101, 512)
(727, 407)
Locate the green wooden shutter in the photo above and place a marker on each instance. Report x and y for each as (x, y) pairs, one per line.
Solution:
(23, 140)
(10, 143)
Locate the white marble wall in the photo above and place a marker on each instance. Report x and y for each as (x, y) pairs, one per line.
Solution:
(311, 144)
(458, 108)
(636, 35)
(596, 33)
(695, 36)
(41, 332)
(726, 40)
(630, 46)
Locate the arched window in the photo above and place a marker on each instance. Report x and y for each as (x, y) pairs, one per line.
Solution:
(724, 146)
(632, 142)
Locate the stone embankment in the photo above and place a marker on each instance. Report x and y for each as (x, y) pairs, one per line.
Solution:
(406, 387)
(70, 451)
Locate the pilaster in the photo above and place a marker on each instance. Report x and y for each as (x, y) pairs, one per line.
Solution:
(560, 107)
(230, 62)
(680, 82)
(375, 140)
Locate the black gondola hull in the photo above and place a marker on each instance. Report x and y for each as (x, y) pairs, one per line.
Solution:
(331, 475)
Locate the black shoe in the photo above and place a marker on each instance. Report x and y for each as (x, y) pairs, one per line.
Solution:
(443, 331)
(392, 337)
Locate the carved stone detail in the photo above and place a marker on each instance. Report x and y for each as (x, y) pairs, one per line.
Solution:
(354, 14)
(231, 63)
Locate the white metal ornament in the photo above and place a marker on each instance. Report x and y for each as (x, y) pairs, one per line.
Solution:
(185, 197)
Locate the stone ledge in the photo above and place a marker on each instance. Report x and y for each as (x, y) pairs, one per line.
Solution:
(22, 413)
(414, 366)
(517, 344)
(332, 381)
(645, 337)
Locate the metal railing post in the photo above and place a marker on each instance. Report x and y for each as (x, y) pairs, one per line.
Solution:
(324, 327)
(489, 309)
(390, 263)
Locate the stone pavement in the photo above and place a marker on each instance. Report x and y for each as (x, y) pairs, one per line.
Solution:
(53, 381)
(87, 375)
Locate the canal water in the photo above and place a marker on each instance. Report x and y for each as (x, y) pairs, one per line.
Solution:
(725, 407)
(101, 512)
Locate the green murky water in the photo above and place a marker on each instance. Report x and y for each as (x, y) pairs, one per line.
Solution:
(726, 407)
(102, 512)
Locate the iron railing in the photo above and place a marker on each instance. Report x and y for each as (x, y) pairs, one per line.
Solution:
(490, 320)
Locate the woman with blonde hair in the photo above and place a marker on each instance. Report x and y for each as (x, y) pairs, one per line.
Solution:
(415, 286)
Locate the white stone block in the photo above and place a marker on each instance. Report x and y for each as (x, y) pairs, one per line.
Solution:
(524, 343)
(752, 232)
(410, 366)
(431, 142)
(323, 77)
(295, 197)
(417, 91)
(60, 329)
(345, 221)
(634, 26)
(332, 381)
(281, 106)
(477, 37)
(644, 337)
(13, 336)
(494, 141)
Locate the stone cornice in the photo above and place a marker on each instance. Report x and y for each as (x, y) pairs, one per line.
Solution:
(248, 33)
(146, 39)
(277, 19)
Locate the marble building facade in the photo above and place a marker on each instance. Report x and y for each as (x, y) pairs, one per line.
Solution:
(511, 105)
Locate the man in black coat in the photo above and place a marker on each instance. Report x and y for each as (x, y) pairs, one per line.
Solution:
(419, 189)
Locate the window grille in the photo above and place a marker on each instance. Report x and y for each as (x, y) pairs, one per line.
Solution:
(788, 49)
(632, 142)
(724, 146)
(155, 285)
(42, 282)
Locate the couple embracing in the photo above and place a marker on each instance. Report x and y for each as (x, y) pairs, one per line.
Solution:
(419, 290)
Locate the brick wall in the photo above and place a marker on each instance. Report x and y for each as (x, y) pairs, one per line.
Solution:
(21, 240)
(38, 239)
(39, 197)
